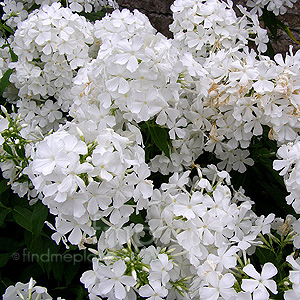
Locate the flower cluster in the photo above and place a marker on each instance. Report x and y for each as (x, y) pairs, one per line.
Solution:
(132, 77)
(15, 153)
(91, 99)
(16, 11)
(208, 222)
(229, 93)
(294, 277)
(50, 44)
(276, 6)
(85, 174)
(288, 163)
(200, 233)
(27, 291)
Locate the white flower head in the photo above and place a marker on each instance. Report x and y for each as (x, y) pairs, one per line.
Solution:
(259, 283)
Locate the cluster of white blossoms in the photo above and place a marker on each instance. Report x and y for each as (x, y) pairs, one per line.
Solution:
(133, 76)
(50, 44)
(16, 11)
(289, 166)
(210, 224)
(229, 92)
(85, 174)
(27, 291)
(201, 228)
(276, 6)
(294, 277)
(87, 96)
(5, 57)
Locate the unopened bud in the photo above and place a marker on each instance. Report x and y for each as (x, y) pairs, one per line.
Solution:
(145, 269)
(30, 284)
(170, 250)
(94, 251)
(109, 257)
(4, 110)
(133, 274)
(80, 133)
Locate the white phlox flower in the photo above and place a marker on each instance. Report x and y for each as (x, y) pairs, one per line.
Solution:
(259, 283)
(26, 291)
(275, 6)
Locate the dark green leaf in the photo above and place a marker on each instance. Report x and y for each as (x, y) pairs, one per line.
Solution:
(270, 22)
(270, 50)
(22, 216)
(93, 16)
(264, 255)
(33, 270)
(8, 244)
(4, 82)
(71, 269)
(58, 270)
(81, 293)
(39, 216)
(8, 29)
(161, 138)
(3, 213)
(3, 186)
(20, 151)
(4, 258)
(7, 148)
(14, 57)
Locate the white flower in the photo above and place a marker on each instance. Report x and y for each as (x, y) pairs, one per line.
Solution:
(50, 154)
(3, 125)
(217, 286)
(154, 290)
(114, 279)
(26, 291)
(260, 282)
(160, 268)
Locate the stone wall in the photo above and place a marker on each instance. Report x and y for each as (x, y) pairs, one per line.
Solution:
(159, 13)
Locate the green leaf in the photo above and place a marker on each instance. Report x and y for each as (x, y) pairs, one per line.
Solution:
(161, 138)
(270, 21)
(39, 216)
(70, 270)
(93, 16)
(20, 151)
(8, 244)
(3, 187)
(264, 255)
(58, 270)
(4, 82)
(33, 270)
(81, 293)
(7, 148)
(288, 31)
(4, 258)
(3, 214)
(7, 28)
(22, 216)
(13, 56)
